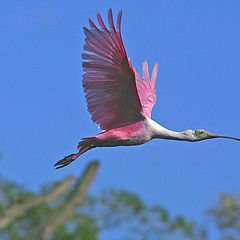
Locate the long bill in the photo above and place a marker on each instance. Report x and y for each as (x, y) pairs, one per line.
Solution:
(211, 135)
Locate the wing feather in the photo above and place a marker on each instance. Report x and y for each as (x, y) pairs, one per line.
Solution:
(146, 88)
(109, 81)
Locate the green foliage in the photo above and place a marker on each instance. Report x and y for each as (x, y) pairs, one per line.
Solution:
(14, 193)
(117, 213)
(1, 209)
(226, 215)
(81, 227)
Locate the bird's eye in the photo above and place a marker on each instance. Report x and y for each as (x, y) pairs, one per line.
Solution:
(200, 132)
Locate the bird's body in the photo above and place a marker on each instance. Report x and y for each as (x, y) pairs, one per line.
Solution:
(119, 100)
(139, 133)
(133, 134)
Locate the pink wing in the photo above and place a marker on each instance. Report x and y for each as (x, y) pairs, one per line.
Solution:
(109, 82)
(146, 88)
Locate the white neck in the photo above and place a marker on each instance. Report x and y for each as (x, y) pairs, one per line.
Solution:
(159, 131)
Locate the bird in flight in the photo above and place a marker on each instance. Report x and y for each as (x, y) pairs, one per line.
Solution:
(119, 100)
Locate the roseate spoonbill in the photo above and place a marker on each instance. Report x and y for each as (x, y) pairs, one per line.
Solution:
(119, 100)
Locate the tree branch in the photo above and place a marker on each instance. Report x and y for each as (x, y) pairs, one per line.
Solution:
(66, 210)
(19, 209)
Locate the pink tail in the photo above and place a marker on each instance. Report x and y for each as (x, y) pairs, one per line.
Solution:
(83, 146)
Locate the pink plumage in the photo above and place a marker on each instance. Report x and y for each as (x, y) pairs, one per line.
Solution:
(119, 100)
(146, 88)
(109, 82)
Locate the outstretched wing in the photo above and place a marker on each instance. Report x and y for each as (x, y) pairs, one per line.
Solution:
(109, 81)
(146, 88)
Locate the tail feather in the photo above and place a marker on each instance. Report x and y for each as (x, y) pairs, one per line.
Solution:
(83, 146)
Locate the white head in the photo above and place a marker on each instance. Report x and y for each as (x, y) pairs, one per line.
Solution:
(201, 134)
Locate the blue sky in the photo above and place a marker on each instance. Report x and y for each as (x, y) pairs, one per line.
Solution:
(44, 115)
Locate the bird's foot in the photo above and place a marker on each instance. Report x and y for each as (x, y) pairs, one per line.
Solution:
(70, 158)
(65, 161)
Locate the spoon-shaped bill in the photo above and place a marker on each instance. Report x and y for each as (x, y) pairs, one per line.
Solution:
(211, 135)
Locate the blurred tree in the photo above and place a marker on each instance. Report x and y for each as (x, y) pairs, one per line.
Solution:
(226, 215)
(58, 212)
